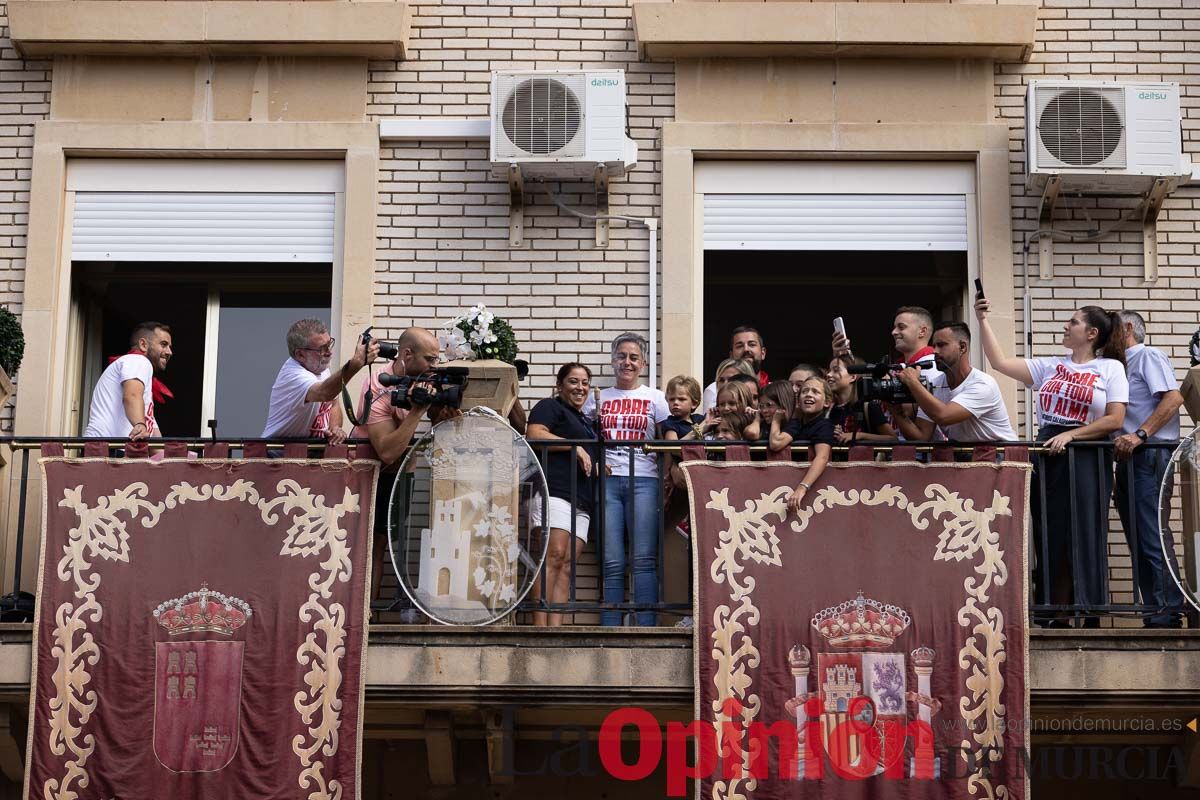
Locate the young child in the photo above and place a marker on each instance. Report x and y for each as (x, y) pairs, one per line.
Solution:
(731, 426)
(852, 420)
(733, 398)
(683, 397)
(775, 396)
(809, 425)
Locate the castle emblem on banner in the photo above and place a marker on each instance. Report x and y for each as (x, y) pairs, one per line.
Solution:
(198, 680)
(862, 685)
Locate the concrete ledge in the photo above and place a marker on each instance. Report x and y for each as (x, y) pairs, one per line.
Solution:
(822, 30)
(209, 28)
(430, 666)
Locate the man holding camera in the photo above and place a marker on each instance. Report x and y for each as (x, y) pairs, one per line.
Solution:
(962, 401)
(391, 427)
(302, 397)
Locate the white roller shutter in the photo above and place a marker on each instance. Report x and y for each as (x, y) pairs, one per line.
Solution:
(203, 226)
(835, 222)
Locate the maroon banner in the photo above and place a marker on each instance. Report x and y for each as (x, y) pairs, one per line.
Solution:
(875, 644)
(200, 629)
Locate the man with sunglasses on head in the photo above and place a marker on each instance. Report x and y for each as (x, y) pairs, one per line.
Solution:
(302, 398)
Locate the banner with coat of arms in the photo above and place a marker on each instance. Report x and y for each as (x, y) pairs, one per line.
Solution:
(200, 629)
(880, 634)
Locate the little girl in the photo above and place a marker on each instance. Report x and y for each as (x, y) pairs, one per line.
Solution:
(776, 396)
(730, 426)
(809, 425)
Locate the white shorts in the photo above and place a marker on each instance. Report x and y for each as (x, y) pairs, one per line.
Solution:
(560, 517)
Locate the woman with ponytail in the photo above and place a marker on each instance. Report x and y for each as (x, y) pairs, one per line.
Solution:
(1079, 396)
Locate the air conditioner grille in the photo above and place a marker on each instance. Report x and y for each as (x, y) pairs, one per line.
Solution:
(543, 116)
(1081, 127)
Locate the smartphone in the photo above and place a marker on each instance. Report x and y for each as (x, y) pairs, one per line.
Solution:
(978, 289)
(839, 325)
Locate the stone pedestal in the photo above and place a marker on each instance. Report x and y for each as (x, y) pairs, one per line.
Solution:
(493, 384)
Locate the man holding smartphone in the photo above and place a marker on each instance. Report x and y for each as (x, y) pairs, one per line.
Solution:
(963, 402)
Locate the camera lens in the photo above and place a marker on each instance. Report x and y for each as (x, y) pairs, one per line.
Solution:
(388, 350)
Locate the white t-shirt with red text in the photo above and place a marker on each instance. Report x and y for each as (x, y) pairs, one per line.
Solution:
(289, 416)
(631, 415)
(1071, 394)
(107, 415)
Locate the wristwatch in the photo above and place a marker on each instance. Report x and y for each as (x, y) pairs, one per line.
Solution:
(1141, 434)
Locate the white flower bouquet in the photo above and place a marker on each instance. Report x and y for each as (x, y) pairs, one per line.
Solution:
(476, 335)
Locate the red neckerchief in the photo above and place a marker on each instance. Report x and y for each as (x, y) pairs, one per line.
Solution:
(158, 389)
(917, 356)
(763, 379)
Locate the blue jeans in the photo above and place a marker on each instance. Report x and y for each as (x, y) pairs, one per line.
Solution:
(1137, 504)
(630, 506)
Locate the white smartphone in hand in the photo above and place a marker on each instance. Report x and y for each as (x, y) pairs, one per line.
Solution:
(839, 325)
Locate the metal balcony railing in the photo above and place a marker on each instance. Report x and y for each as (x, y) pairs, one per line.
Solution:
(1119, 570)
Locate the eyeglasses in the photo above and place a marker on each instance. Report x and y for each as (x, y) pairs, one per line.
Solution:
(327, 349)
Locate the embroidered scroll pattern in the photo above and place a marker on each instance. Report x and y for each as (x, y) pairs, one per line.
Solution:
(316, 530)
(102, 532)
(749, 537)
(966, 534)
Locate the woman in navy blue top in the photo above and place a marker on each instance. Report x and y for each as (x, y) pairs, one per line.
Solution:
(561, 417)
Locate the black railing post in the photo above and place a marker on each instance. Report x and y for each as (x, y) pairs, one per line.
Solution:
(21, 506)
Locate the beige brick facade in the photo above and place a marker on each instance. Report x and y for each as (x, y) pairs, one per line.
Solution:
(442, 220)
(24, 99)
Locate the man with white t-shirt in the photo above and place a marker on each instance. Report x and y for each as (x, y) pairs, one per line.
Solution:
(964, 403)
(745, 344)
(302, 397)
(123, 400)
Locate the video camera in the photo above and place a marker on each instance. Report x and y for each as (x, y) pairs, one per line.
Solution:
(442, 386)
(879, 384)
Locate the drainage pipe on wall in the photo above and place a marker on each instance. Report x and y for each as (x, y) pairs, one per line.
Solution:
(651, 224)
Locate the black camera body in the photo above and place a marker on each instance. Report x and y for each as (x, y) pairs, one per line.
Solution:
(879, 384)
(387, 350)
(438, 387)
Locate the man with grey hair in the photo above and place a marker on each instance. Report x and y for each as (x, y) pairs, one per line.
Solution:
(302, 398)
(1152, 416)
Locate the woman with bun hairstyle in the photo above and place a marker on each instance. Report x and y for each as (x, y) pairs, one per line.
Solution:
(1079, 396)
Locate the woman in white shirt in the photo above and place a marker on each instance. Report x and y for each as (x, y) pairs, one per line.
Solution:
(1080, 396)
(630, 411)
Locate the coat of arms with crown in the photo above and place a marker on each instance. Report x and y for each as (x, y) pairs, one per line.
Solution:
(198, 679)
(861, 679)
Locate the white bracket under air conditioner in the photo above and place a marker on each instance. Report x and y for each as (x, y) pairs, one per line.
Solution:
(1154, 201)
(1045, 222)
(600, 176)
(516, 207)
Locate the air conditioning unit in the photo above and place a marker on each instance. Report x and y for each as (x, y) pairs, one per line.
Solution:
(1103, 137)
(557, 124)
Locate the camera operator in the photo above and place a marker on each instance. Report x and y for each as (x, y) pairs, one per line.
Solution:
(390, 427)
(962, 401)
(911, 330)
(304, 390)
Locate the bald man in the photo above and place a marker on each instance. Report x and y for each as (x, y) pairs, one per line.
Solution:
(389, 428)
